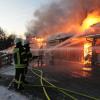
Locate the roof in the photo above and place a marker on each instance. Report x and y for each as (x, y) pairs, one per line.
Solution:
(60, 36)
(93, 36)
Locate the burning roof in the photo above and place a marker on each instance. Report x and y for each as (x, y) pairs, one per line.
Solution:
(93, 36)
(60, 36)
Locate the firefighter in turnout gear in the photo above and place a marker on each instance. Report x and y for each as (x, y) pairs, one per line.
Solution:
(28, 56)
(40, 59)
(19, 56)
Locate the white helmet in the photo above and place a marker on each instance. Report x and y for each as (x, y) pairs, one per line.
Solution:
(25, 42)
(17, 40)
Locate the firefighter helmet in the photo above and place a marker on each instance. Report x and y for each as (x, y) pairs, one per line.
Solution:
(18, 40)
(25, 42)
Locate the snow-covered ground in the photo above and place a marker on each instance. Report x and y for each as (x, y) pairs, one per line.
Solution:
(6, 74)
(7, 70)
(6, 94)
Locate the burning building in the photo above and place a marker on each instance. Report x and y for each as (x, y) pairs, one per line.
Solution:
(67, 52)
(64, 16)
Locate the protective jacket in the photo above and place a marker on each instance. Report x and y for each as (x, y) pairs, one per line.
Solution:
(19, 56)
(28, 53)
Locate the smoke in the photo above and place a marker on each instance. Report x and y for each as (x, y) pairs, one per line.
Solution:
(62, 16)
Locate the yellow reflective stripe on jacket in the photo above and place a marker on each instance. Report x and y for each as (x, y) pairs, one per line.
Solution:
(18, 82)
(16, 50)
(19, 65)
(18, 58)
(18, 55)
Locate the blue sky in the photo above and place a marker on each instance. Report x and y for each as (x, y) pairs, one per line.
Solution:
(15, 14)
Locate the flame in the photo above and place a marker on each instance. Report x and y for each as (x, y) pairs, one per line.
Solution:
(87, 53)
(91, 19)
(40, 41)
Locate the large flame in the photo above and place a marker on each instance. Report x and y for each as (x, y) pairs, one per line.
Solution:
(91, 19)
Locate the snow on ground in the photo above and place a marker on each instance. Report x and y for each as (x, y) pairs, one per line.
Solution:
(5, 94)
(7, 70)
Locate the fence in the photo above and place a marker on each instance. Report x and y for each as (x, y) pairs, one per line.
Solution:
(5, 59)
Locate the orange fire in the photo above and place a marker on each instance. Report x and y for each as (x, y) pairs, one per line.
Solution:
(91, 19)
(87, 53)
(39, 42)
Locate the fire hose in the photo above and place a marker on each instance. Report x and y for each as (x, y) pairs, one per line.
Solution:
(45, 92)
(64, 91)
(51, 86)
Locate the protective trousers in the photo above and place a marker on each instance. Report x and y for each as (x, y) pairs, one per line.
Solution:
(19, 78)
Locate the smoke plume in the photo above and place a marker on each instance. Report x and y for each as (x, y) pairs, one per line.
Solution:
(62, 16)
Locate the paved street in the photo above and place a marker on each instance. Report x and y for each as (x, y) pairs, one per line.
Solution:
(89, 87)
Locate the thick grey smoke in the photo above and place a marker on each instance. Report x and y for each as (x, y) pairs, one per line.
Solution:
(62, 16)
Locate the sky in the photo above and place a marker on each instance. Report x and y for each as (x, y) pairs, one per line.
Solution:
(15, 14)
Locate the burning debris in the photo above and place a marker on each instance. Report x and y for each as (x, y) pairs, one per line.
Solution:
(73, 16)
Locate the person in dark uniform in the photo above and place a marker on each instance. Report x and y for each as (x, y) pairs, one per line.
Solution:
(19, 55)
(40, 58)
(28, 56)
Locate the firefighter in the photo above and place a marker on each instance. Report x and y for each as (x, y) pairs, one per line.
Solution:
(28, 56)
(40, 59)
(19, 55)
